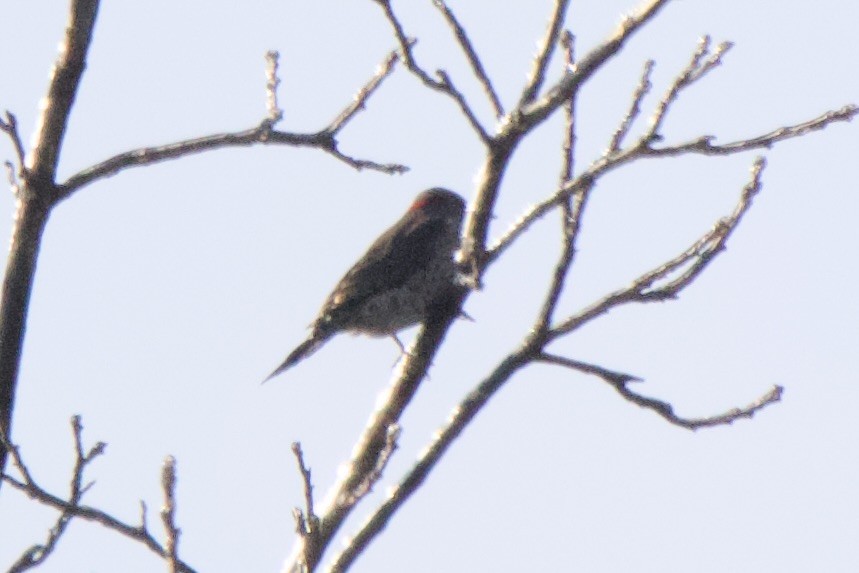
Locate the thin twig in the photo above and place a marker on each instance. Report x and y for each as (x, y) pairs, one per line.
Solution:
(72, 508)
(258, 135)
(702, 146)
(262, 134)
(538, 110)
(39, 553)
(641, 90)
(272, 81)
(702, 62)
(619, 381)
(306, 525)
(537, 76)
(572, 208)
(9, 126)
(464, 107)
(471, 55)
(359, 100)
(705, 146)
(689, 265)
(168, 514)
(443, 84)
(525, 119)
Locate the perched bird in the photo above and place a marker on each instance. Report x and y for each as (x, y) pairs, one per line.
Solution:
(397, 281)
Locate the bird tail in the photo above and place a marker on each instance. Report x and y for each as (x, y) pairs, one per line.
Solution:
(304, 350)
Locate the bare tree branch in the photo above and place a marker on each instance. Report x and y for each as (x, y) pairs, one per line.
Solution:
(168, 514)
(525, 118)
(262, 134)
(39, 191)
(688, 264)
(307, 522)
(443, 84)
(72, 508)
(378, 440)
(537, 76)
(37, 554)
(35, 195)
(272, 81)
(9, 126)
(641, 90)
(684, 268)
(430, 456)
(572, 208)
(619, 382)
(471, 55)
(537, 111)
(702, 146)
(701, 63)
(359, 101)
(65, 78)
(705, 146)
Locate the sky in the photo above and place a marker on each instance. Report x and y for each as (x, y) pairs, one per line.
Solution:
(165, 294)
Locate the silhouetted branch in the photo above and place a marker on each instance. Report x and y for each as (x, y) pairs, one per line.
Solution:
(471, 55)
(641, 90)
(522, 121)
(537, 76)
(272, 81)
(378, 441)
(459, 418)
(168, 514)
(572, 208)
(619, 381)
(359, 101)
(36, 193)
(306, 522)
(261, 134)
(37, 554)
(71, 507)
(9, 126)
(676, 273)
(702, 62)
(443, 84)
(642, 149)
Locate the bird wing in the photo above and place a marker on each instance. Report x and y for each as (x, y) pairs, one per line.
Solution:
(396, 255)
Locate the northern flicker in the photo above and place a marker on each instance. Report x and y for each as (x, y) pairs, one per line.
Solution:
(397, 281)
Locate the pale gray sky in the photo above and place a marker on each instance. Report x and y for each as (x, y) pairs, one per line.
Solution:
(164, 295)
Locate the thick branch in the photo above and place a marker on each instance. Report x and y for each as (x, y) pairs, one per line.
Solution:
(525, 118)
(65, 77)
(459, 418)
(377, 442)
(540, 109)
(34, 199)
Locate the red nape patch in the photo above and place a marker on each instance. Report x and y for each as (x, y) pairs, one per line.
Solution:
(424, 201)
(434, 199)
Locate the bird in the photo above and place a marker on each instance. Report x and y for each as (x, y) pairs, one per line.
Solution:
(397, 282)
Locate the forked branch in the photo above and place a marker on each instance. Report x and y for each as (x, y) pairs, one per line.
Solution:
(71, 507)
